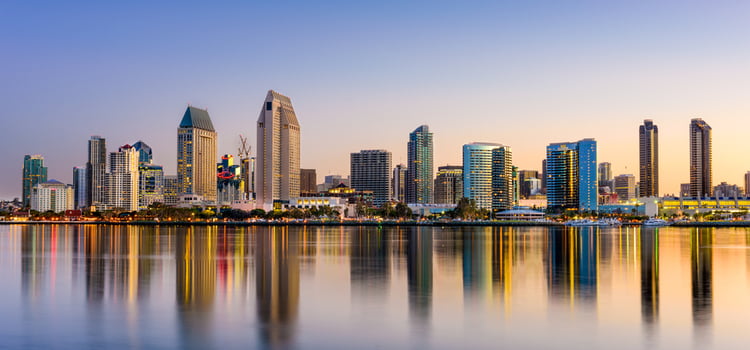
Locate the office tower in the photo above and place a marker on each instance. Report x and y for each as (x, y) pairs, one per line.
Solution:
(571, 175)
(53, 196)
(371, 171)
(700, 159)
(171, 190)
(523, 175)
(229, 184)
(331, 181)
(145, 154)
(747, 183)
(726, 190)
(308, 181)
(196, 154)
(150, 184)
(504, 179)
(34, 173)
(399, 183)
(449, 184)
(531, 186)
(278, 150)
(122, 179)
(477, 173)
(544, 176)
(648, 136)
(419, 166)
(605, 178)
(79, 187)
(625, 187)
(248, 175)
(96, 168)
(685, 190)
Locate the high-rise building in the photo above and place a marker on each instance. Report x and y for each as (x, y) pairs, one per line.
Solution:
(52, 195)
(399, 183)
(34, 173)
(572, 176)
(96, 168)
(419, 167)
(79, 187)
(449, 184)
(523, 175)
(371, 171)
(625, 187)
(504, 179)
(544, 176)
(605, 178)
(150, 184)
(122, 179)
(278, 150)
(648, 136)
(230, 184)
(145, 154)
(308, 181)
(747, 183)
(700, 159)
(477, 172)
(196, 154)
(171, 190)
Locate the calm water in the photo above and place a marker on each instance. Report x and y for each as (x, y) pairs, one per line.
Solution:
(92, 287)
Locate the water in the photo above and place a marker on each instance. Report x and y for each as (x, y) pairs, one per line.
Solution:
(99, 286)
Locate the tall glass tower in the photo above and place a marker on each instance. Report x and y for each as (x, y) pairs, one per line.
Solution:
(96, 169)
(196, 154)
(700, 159)
(648, 137)
(79, 187)
(477, 172)
(145, 154)
(571, 175)
(503, 184)
(34, 173)
(419, 169)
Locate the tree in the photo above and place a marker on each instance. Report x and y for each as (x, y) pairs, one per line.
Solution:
(466, 209)
(403, 210)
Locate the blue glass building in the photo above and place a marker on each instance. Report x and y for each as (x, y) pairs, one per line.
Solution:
(572, 176)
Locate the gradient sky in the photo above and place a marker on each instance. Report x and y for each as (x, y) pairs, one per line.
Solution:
(364, 75)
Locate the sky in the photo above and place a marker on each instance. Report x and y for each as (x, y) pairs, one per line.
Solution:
(362, 75)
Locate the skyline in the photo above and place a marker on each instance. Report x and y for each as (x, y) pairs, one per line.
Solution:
(520, 75)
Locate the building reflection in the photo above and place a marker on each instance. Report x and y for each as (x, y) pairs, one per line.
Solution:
(419, 272)
(33, 260)
(701, 264)
(572, 264)
(195, 283)
(649, 242)
(369, 262)
(277, 285)
(477, 260)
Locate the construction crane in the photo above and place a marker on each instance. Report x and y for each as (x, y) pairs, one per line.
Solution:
(244, 150)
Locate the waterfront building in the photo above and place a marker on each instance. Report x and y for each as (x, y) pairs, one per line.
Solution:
(606, 180)
(171, 190)
(53, 196)
(685, 190)
(370, 171)
(79, 187)
(308, 181)
(625, 187)
(145, 154)
(648, 136)
(331, 181)
(700, 159)
(230, 186)
(504, 179)
(399, 183)
(544, 176)
(523, 175)
(278, 162)
(96, 168)
(449, 184)
(572, 175)
(121, 182)
(478, 171)
(530, 187)
(419, 167)
(150, 183)
(34, 173)
(196, 154)
(725, 190)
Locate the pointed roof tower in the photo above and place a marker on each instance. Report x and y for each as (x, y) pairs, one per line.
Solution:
(197, 118)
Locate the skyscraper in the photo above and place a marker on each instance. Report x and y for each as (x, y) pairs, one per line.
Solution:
(449, 184)
(122, 179)
(477, 173)
(605, 176)
(399, 183)
(196, 154)
(34, 173)
(524, 191)
(150, 184)
(278, 150)
(747, 183)
(145, 154)
(96, 168)
(504, 179)
(700, 159)
(371, 171)
(79, 187)
(308, 181)
(648, 136)
(571, 175)
(625, 187)
(419, 167)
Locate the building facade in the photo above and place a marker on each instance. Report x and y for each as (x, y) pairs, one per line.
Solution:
(96, 169)
(196, 154)
(606, 178)
(449, 184)
(34, 173)
(171, 190)
(725, 190)
(747, 183)
(145, 154)
(150, 184)
(625, 187)
(399, 183)
(572, 175)
(278, 159)
(53, 196)
(229, 182)
(419, 179)
(371, 171)
(504, 179)
(477, 172)
(308, 181)
(79, 187)
(700, 159)
(122, 179)
(648, 136)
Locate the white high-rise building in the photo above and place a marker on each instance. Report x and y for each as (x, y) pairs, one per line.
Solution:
(277, 163)
(122, 179)
(52, 195)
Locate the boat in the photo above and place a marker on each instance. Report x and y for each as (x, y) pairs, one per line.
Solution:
(589, 222)
(609, 222)
(654, 222)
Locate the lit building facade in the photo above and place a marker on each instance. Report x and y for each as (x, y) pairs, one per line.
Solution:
(605, 178)
(196, 154)
(648, 136)
(449, 184)
(96, 169)
(34, 173)
(150, 184)
(625, 187)
(700, 159)
(230, 184)
(121, 182)
(477, 172)
(52, 195)
(171, 190)
(572, 175)
(399, 183)
(371, 171)
(504, 179)
(145, 154)
(278, 158)
(79, 187)
(419, 166)
(308, 181)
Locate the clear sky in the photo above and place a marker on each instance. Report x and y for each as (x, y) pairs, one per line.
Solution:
(362, 75)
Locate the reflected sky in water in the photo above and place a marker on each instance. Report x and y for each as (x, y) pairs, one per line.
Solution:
(99, 286)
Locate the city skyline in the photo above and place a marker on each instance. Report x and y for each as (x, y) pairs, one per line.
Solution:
(523, 85)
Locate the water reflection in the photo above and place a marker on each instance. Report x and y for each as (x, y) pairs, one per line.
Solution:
(208, 287)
